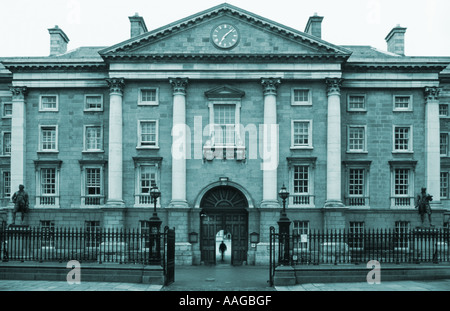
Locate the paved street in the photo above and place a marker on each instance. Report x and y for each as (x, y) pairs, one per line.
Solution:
(223, 278)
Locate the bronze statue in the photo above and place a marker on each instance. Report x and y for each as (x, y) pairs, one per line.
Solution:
(20, 200)
(423, 204)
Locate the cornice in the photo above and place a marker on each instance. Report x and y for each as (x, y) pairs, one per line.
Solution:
(395, 66)
(224, 57)
(18, 67)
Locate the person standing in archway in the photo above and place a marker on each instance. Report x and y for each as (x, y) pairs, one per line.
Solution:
(222, 249)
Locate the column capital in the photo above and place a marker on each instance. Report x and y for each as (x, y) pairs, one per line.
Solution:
(270, 85)
(333, 86)
(179, 85)
(116, 85)
(432, 93)
(19, 92)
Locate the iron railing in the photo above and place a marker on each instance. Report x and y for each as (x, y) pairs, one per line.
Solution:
(127, 246)
(347, 247)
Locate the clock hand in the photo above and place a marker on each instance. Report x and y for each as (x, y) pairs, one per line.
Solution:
(225, 35)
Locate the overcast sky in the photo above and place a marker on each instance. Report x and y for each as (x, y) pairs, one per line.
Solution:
(24, 23)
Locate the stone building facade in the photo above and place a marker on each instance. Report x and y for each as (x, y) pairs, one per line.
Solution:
(220, 110)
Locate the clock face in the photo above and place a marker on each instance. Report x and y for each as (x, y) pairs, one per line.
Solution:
(225, 36)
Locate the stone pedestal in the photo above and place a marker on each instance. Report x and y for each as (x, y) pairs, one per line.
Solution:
(284, 276)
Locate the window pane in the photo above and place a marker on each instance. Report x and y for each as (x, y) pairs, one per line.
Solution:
(93, 138)
(148, 95)
(148, 133)
(444, 184)
(301, 95)
(444, 144)
(301, 133)
(7, 184)
(356, 139)
(401, 186)
(402, 102)
(224, 124)
(301, 179)
(48, 181)
(443, 110)
(6, 143)
(93, 181)
(7, 109)
(48, 138)
(402, 138)
(48, 102)
(93, 102)
(356, 102)
(147, 178)
(356, 182)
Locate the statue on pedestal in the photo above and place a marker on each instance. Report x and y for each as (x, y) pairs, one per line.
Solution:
(423, 205)
(20, 200)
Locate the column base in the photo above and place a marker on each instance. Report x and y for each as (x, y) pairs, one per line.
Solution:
(178, 204)
(114, 204)
(270, 204)
(334, 203)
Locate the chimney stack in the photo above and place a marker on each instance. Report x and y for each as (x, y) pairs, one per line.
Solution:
(137, 25)
(58, 41)
(396, 40)
(314, 26)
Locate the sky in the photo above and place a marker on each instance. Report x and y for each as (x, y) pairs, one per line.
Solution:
(24, 23)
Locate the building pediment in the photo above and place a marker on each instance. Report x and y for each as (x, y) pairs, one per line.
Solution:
(224, 92)
(195, 37)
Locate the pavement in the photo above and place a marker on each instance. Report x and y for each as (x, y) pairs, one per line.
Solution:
(223, 278)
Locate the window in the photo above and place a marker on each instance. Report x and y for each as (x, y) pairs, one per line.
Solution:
(444, 144)
(356, 235)
(147, 175)
(48, 103)
(402, 103)
(148, 96)
(6, 143)
(401, 235)
(357, 187)
(301, 134)
(47, 183)
(403, 139)
(402, 190)
(301, 182)
(356, 138)
(93, 138)
(301, 230)
(444, 185)
(301, 97)
(6, 184)
(92, 233)
(443, 110)
(148, 134)
(93, 186)
(224, 125)
(48, 138)
(93, 103)
(7, 110)
(47, 228)
(356, 103)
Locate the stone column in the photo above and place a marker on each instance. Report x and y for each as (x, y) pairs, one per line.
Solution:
(179, 143)
(270, 144)
(18, 137)
(432, 143)
(115, 170)
(334, 143)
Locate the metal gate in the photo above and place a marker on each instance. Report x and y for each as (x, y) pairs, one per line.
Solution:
(169, 256)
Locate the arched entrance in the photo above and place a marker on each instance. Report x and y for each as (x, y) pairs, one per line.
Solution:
(224, 208)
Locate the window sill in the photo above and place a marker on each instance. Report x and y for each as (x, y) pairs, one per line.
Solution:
(400, 152)
(300, 206)
(93, 110)
(93, 151)
(148, 104)
(302, 148)
(402, 110)
(301, 104)
(48, 151)
(148, 206)
(147, 147)
(47, 206)
(356, 110)
(5, 156)
(356, 152)
(48, 110)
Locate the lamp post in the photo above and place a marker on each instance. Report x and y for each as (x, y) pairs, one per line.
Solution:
(283, 224)
(155, 225)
